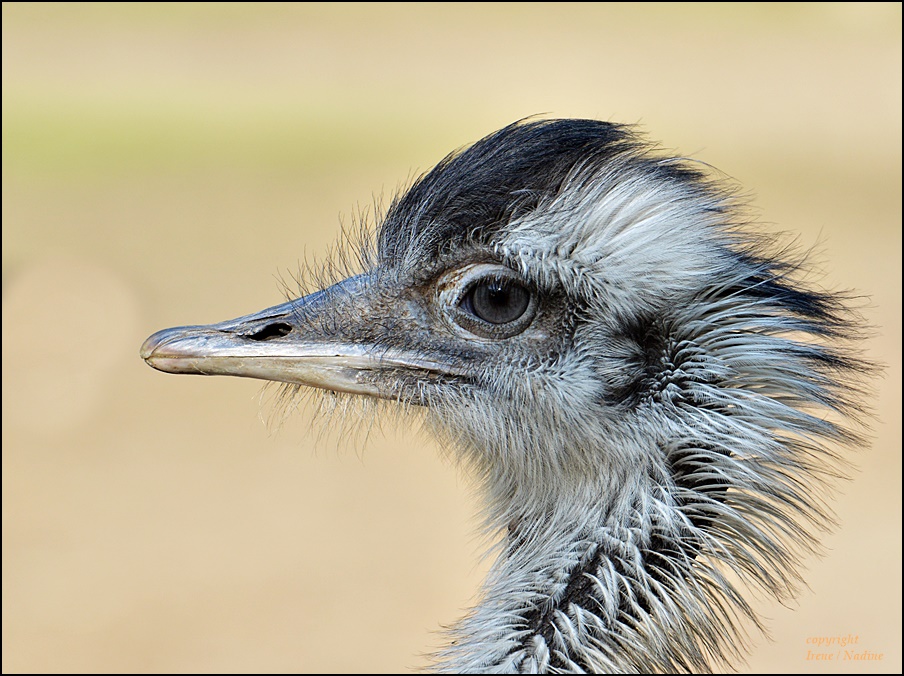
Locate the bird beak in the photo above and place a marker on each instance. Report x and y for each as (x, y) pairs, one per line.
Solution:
(290, 343)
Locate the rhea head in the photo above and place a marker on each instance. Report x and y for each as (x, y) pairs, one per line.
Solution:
(638, 380)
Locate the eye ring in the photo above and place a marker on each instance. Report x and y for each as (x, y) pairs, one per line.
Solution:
(489, 301)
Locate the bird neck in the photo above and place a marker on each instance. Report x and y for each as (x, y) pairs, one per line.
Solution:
(604, 579)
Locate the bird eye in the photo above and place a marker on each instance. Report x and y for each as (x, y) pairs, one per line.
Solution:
(489, 300)
(497, 301)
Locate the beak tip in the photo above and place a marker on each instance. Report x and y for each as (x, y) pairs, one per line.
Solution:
(166, 344)
(149, 346)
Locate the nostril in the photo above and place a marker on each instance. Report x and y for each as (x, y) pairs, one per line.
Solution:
(269, 331)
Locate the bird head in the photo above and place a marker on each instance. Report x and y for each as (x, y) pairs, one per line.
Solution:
(569, 305)
(649, 391)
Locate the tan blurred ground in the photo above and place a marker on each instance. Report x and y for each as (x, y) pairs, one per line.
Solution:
(161, 163)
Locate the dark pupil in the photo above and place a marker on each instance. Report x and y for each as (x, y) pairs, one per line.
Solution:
(499, 302)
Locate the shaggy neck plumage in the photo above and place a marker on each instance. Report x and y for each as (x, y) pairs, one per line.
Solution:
(602, 579)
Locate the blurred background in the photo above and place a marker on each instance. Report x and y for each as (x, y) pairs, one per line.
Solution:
(164, 164)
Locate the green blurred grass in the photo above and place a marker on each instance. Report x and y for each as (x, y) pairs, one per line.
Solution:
(52, 138)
